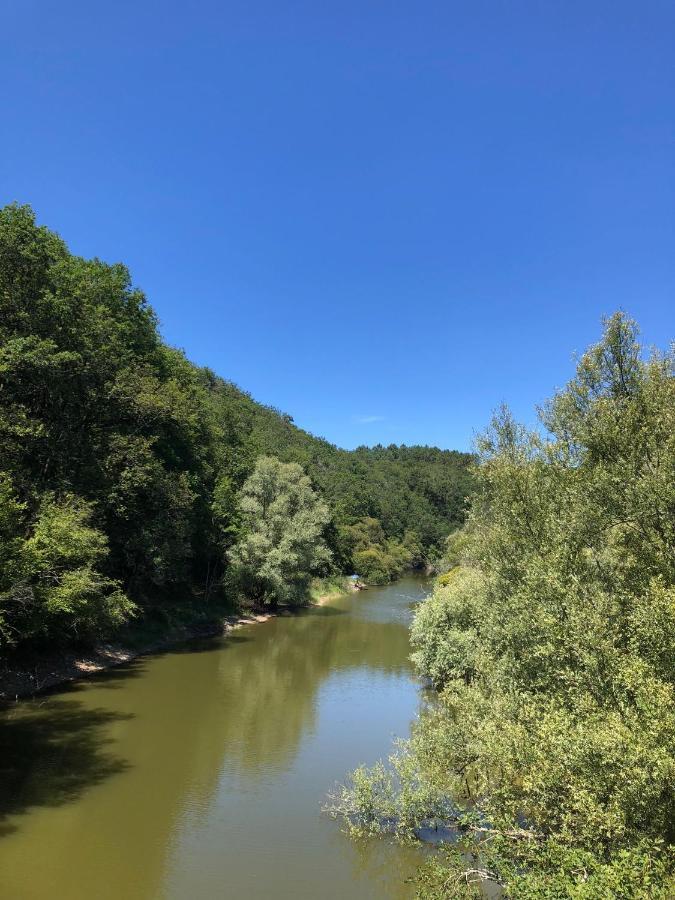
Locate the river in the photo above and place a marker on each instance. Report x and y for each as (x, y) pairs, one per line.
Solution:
(200, 772)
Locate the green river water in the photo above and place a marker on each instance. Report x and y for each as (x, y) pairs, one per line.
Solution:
(200, 772)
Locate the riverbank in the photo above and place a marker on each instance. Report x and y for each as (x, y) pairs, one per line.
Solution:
(41, 673)
(208, 764)
(323, 590)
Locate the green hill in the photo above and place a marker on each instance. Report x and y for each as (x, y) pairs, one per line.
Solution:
(120, 461)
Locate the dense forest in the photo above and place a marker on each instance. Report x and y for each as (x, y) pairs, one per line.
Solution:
(551, 639)
(125, 469)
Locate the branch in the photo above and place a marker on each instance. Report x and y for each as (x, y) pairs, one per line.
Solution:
(470, 876)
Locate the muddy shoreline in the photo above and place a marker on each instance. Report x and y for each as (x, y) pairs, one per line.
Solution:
(51, 670)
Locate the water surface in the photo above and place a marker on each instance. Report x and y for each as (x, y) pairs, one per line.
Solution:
(200, 772)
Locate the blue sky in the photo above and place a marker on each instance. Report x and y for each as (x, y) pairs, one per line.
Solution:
(383, 218)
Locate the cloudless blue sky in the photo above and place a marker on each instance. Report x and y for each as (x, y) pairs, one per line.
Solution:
(383, 218)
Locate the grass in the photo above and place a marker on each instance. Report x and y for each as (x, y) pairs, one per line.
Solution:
(329, 588)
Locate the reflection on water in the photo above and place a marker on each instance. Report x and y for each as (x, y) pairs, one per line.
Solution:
(48, 756)
(201, 772)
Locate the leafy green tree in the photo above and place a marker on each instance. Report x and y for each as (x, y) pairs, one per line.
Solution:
(373, 565)
(282, 547)
(551, 640)
(375, 557)
(52, 586)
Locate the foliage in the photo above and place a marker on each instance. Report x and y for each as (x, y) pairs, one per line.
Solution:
(548, 869)
(282, 545)
(376, 558)
(552, 645)
(444, 634)
(51, 585)
(104, 423)
(422, 489)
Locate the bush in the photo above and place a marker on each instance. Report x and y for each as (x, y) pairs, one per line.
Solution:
(552, 645)
(52, 584)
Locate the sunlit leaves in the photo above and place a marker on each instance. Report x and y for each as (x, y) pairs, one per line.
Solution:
(552, 641)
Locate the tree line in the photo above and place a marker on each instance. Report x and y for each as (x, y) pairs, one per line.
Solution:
(129, 477)
(551, 641)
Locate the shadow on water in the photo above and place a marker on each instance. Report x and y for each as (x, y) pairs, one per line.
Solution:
(53, 748)
(252, 704)
(107, 678)
(230, 746)
(201, 645)
(322, 611)
(50, 752)
(117, 675)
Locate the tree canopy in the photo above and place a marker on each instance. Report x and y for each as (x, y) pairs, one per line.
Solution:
(122, 463)
(551, 640)
(282, 545)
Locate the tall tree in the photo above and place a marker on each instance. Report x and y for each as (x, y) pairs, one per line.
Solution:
(554, 646)
(283, 520)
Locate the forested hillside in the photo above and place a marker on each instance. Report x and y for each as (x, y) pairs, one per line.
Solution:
(122, 464)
